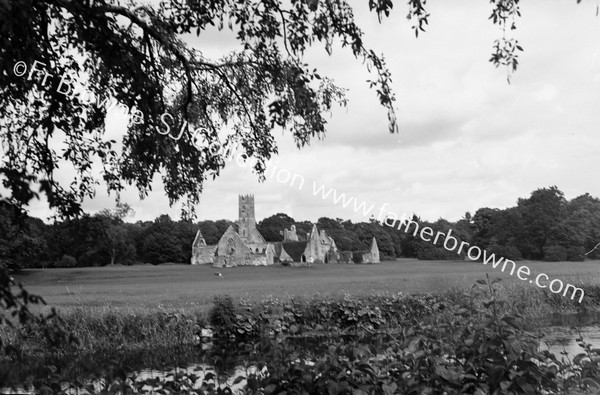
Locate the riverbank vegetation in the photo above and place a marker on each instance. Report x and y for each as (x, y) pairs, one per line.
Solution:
(461, 341)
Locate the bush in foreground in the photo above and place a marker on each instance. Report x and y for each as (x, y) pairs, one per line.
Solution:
(426, 345)
(455, 342)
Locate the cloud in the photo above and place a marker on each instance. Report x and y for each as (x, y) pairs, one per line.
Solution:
(467, 139)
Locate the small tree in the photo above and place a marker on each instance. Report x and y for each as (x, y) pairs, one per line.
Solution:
(113, 231)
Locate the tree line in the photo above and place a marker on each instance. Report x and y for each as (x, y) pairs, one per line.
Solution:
(544, 226)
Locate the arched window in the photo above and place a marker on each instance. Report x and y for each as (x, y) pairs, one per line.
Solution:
(230, 247)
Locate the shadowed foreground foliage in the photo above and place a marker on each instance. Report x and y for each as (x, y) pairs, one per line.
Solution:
(458, 342)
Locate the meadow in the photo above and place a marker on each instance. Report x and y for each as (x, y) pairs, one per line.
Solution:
(388, 324)
(186, 286)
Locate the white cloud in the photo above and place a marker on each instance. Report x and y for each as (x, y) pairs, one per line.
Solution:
(467, 138)
(546, 93)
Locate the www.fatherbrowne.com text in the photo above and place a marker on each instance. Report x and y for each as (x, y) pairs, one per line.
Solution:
(391, 219)
(66, 87)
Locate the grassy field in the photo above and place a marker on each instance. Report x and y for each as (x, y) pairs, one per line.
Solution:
(150, 316)
(185, 286)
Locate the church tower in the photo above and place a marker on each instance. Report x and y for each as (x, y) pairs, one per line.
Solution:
(246, 222)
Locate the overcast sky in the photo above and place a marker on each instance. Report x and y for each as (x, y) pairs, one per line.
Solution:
(467, 138)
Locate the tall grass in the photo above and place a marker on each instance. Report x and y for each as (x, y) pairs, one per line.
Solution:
(95, 330)
(102, 329)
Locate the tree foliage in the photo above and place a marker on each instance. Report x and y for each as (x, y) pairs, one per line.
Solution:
(135, 55)
(544, 226)
(114, 235)
(556, 228)
(272, 227)
(62, 60)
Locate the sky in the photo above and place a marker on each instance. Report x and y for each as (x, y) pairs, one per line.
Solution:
(467, 139)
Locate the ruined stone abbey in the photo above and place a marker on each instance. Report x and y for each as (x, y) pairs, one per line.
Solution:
(247, 247)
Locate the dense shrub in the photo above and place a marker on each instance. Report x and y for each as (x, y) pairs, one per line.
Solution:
(427, 251)
(222, 314)
(507, 251)
(10, 264)
(554, 253)
(454, 343)
(346, 256)
(469, 344)
(66, 261)
(451, 346)
(595, 254)
(228, 322)
(575, 253)
(160, 248)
